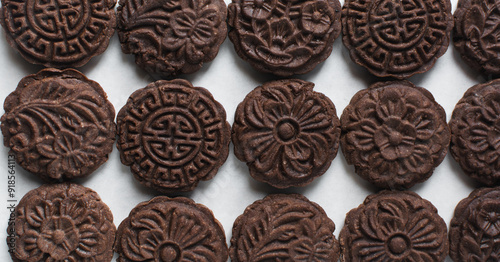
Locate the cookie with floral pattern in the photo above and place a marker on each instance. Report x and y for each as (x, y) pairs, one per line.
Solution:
(287, 133)
(475, 133)
(59, 124)
(394, 134)
(61, 222)
(284, 228)
(172, 37)
(394, 226)
(171, 229)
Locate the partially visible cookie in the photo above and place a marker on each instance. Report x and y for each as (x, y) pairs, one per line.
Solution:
(172, 37)
(59, 124)
(394, 226)
(286, 133)
(475, 133)
(173, 135)
(284, 228)
(62, 222)
(475, 227)
(394, 134)
(171, 229)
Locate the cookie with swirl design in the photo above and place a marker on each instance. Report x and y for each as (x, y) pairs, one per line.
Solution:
(394, 226)
(394, 134)
(171, 229)
(287, 133)
(59, 124)
(284, 228)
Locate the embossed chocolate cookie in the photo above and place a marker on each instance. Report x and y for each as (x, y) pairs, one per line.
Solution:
(475, 133)
(396, 38)
(172, 135)
(475, 34)
(394, 134)
(171, 229)
(286, 133)
(475, 227)
(394, 226)
(58, 33)
(284, 37)
(59, 124)
(284, 228)
(171, 37)
(61, 222)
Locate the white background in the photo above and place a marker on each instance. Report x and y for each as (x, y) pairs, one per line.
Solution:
(230, 79)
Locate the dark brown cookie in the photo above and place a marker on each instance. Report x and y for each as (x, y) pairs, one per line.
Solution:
(58, 33)
(284, 37)
(394, 226)
(475, 133)
(59, 124)
(171, 229)
(171, 37)
(284, 228)
(475, 227)
(286, 133)
(396, 38)
(62, 222)
(394, 134)
(172, 135)
(475, 34)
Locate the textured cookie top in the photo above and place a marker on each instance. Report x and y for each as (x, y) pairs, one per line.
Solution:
(59, 124)
(58, 33)
(284, 37)
(171, 229)
(394, 134)
(172, 135)
(171, 37)
(475, 135)
(394, 226)
(396, 38)
(62, 222)
(286, 133)
(284, 228)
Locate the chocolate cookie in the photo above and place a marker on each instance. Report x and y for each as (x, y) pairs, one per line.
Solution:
(475, 133)
(284, 37)
(172, 135)
(475, 227)
(171, 37)
(284, 228)
(58, 33)
(394, 226)
(286, 133)
(394, 134)
(59, 124)
(396, 38)
(475, 34)
(61, 222)
(171, 229)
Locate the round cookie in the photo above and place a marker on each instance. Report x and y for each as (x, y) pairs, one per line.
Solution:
(172, 135)
(396, 38)
(394, 226)
(475, 135)
(171, 229)
(475, 227)
(59, 124)
(394, 134)
(171, 37)
(286, 133)
(61, 222)
(58, 33)
(284, 37)
(475, 34)
(284, 228)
